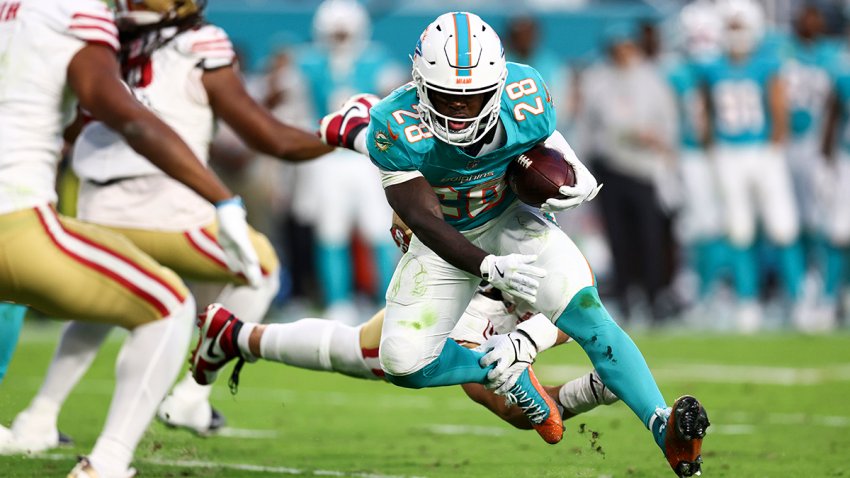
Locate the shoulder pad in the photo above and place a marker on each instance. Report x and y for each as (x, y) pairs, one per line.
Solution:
(209, 44)
(528, 102)
(388, 142)
(88, 20)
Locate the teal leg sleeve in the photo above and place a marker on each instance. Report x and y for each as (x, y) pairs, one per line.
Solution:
(386, 258)
(834, 265)
(617, 359)
(745, 268)
(335, 271)
(454, 365)
(792, 267)
(11, 320)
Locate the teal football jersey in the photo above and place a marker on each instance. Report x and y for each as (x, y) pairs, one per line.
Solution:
(685, 83)
(739, 98)
(472, 189)
(806, 71)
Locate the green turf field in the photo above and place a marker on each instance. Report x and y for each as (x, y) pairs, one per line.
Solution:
(778, 404)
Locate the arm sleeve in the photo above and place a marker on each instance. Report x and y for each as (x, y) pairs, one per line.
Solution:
(210, 45)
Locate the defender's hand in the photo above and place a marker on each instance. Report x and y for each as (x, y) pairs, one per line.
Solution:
(513, 274)
(233, 238)
(343, 127)
(511, 354)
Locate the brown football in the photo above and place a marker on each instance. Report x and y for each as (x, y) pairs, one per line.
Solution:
(537, 174)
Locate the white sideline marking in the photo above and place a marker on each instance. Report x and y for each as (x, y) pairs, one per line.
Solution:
(731, 429)
(283, 470)
(716, 373)
(448, 429)
(246, 433)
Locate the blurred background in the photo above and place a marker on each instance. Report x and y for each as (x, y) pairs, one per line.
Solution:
(695, 227)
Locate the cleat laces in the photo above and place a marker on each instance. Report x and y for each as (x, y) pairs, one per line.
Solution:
(529, 406)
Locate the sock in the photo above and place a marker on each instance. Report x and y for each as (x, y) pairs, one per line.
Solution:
(792, 268)
(746, 272)
(78, 346)
(147, 365)
(335, 271)
(250, 304)
(833, 267)
(11, 320)
(454, 365)
(616, 358)
(584, 394)
(317, 344)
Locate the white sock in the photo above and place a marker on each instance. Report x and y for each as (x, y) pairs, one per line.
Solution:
(317, 344)
(78, 346)
(585, 393)
(247, 303)
(146, 367)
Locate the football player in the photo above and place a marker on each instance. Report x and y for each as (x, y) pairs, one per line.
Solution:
(183, 69)
(57, 53)
(443, 143)
(749, 123)
(808, 62)
(699, 224)
(341, 190)
(353, 350)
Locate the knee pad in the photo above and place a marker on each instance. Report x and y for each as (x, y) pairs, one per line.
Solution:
(400, 356)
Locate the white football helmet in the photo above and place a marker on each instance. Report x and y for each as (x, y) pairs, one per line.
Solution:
(459, 54)
(341, 17)
(702, 30)
(744, 24)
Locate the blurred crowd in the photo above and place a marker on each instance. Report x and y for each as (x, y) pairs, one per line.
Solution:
(720, 140)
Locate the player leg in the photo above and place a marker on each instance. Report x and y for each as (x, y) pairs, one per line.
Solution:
(69, 269)
(569, 298)
(196, 255)
(11, 319)
(739, 210)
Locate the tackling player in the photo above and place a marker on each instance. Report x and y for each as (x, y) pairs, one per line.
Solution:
(183, 69)
(443, 143)
(56, 53)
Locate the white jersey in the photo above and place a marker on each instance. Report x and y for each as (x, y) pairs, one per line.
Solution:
(38, 40)
(169, 83)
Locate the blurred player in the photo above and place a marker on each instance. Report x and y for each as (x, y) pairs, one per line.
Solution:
(343, 188)
(56, 53)
(835, 212)
(443, 143)
(699, 224)
(184, 70)
(11, 320)
(808, 63)
(750, 124)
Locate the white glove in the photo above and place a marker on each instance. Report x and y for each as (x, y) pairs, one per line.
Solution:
(585, 188)
(513, 274)
(233, 238)
(511, 354)
(346, 127)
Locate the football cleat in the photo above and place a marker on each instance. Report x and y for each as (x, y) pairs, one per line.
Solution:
(686, 428)
(537, 406)
(85, 469)
(31, 432)
(216, 343)
(196, 416)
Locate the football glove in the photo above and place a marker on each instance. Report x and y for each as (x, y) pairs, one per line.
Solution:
(585, 188)
(514, 352)
(239, 253)
(344, 126)
(513, 274)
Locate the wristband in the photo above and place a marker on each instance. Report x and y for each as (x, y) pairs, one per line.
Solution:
(237, 200)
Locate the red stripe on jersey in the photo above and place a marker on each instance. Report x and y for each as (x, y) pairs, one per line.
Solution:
(205, 42)
(159, 306)
(108, 20)
(107, 44)
(95, 27)
(369, 353)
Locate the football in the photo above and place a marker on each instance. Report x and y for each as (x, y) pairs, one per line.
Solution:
(537, 174)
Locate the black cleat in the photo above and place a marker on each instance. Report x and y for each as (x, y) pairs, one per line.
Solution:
(685, 430)
(65, 440)
(217, 422)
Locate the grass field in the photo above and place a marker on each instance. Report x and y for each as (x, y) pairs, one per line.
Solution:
(778, 404)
